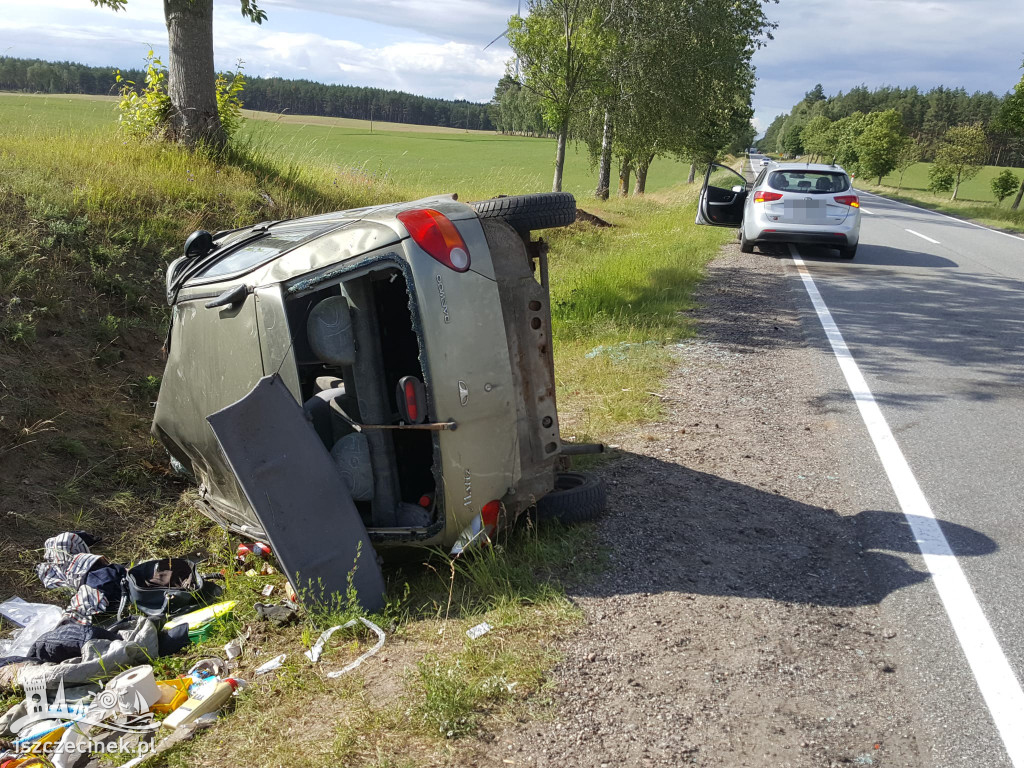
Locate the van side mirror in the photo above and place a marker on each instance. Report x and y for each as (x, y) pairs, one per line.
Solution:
(198, 244)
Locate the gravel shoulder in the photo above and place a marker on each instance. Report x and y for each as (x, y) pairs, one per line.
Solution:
(738, 622)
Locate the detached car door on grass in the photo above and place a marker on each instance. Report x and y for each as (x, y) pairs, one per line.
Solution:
(722, 197)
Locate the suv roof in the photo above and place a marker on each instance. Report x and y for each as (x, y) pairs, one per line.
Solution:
(810, 167)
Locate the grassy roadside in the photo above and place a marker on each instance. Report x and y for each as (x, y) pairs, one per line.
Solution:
(87, 225)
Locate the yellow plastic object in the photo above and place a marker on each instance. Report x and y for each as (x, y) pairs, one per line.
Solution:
(203, 616)
(51, 738)
(173, 693)
(36, 761)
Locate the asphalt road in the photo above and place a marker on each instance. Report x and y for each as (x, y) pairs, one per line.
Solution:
(932, 310)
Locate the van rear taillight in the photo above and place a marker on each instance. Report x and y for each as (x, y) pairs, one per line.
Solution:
(412, 400)
(851, 200)
(489, 515)
(766, 197)
(434, 233)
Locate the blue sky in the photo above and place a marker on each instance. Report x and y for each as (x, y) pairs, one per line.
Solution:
(435, 47)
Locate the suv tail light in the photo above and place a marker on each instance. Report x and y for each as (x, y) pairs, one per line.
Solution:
(766, 197)
(851, 200)
(434, 233)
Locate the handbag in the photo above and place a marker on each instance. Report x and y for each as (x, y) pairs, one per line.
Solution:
(167, 587)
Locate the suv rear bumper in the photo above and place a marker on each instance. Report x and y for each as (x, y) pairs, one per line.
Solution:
(834, 239)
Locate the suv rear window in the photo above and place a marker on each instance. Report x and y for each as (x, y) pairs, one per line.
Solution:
(812, 182)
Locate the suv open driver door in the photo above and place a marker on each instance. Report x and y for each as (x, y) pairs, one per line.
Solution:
(722, 197)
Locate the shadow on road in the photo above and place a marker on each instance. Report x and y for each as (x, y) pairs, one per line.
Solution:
(892, 321)
(672, 528)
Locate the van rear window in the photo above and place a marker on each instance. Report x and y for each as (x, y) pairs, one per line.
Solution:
(812, 182)
(277, 241)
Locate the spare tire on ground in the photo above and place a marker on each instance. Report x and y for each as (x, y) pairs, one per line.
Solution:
(526, 213)
(577, 498)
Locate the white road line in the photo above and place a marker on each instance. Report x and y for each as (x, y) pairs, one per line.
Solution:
(993, 673)
(923, 237)
(865, 210)
(952, 218)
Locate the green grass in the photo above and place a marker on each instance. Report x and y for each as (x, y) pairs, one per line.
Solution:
(978, 189)
(619, 298)
(419, 160)
(88, 223)
(975, 200)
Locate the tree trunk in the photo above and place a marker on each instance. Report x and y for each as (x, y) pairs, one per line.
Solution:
(641, 175)
(191, 79)
(693, 173)
(563, 133)
(625, 169)
(1020, 194)
(956, 188)
(604, 176)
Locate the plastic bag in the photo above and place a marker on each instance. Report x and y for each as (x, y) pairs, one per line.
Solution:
(35, 619)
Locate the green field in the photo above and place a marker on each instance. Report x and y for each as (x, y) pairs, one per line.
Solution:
(419, 159)
(975, 200)
(978, 189)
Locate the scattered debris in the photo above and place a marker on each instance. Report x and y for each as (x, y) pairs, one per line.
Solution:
(478, 631)
(205, 699)
(233, 649)
(620, 352)
(282, 614)
(275, 663)
(313, 654)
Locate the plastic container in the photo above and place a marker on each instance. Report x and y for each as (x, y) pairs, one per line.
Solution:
(173, 693)
(203, 616)
(209, 697)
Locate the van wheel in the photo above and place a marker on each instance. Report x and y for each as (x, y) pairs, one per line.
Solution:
(745, 245)
(578, 497)
(526, 213)
(848, 252)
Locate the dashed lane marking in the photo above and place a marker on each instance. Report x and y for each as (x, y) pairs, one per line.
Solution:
(923, 237)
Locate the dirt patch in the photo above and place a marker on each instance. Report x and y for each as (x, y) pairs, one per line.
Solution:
(590, 218)
(738, 623)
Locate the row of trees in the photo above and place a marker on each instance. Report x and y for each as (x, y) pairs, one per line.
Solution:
(874, 144)
(274, 94)
(305, 97)
(926, 116)
(517, 110)
(635, 80)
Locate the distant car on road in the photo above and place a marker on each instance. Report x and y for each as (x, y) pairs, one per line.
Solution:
(795, 203)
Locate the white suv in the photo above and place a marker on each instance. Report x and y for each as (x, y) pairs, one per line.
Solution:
(791, 203)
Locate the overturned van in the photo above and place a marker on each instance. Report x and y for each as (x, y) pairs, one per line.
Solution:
(416, 340)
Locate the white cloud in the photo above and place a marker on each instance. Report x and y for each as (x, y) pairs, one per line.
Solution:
(475, 22)
(975, 44)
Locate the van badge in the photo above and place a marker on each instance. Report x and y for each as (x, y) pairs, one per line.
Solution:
(463, 393)
(444, 301)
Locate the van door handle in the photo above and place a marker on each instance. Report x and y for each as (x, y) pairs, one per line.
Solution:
(230, 297)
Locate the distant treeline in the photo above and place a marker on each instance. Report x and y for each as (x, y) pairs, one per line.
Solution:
(927, 115)
(269, 94)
